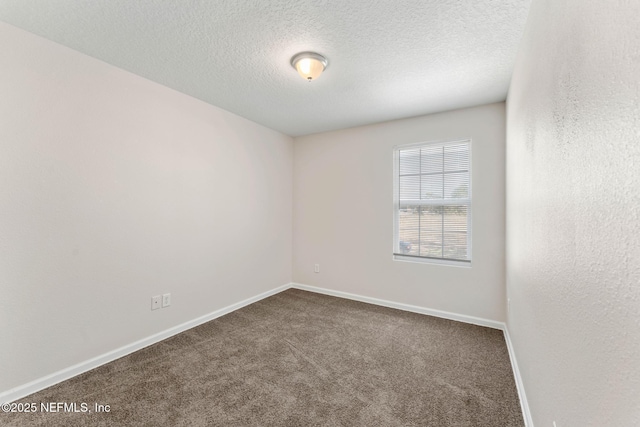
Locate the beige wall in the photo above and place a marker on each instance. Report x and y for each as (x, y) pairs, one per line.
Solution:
(114, 189)
(573, 212)
(343, 214)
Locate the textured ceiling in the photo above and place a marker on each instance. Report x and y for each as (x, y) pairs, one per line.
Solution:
(388, 59)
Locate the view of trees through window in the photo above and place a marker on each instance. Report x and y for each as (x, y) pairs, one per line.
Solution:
(434, 231)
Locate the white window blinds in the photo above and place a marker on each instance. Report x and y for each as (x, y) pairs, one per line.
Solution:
(432, 201)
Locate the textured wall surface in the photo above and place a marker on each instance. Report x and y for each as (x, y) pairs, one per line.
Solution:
(388, 59)
(573, 212)
(343, 214)
(114, 189)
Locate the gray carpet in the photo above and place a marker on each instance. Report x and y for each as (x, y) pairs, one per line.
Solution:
(301, 359)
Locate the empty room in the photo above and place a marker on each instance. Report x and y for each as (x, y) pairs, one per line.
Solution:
(320, 213)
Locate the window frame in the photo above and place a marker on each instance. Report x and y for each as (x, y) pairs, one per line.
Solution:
(396, 206)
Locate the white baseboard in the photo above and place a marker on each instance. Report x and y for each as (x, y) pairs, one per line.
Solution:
(405, 307)
(72, 371)
(526, 413)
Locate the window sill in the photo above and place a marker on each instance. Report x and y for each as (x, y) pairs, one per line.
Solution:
(418, 260)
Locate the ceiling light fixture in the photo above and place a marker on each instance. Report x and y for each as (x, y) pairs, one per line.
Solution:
(309, 65)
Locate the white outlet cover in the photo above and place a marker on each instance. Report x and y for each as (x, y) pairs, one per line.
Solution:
(166, 300)
(155, 302)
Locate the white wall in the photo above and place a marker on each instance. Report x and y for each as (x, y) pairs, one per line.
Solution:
(573, 212)
(343, 214)
(114, 189)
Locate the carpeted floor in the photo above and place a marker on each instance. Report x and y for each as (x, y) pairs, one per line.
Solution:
(300, 359)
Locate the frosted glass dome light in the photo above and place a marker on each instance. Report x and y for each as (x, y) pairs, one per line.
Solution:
(309, 65)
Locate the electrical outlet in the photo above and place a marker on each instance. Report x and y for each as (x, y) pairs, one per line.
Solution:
(155, 302)
(316, 268)
(166, 300)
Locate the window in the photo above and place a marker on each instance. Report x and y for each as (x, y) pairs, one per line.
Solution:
(432, 202)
